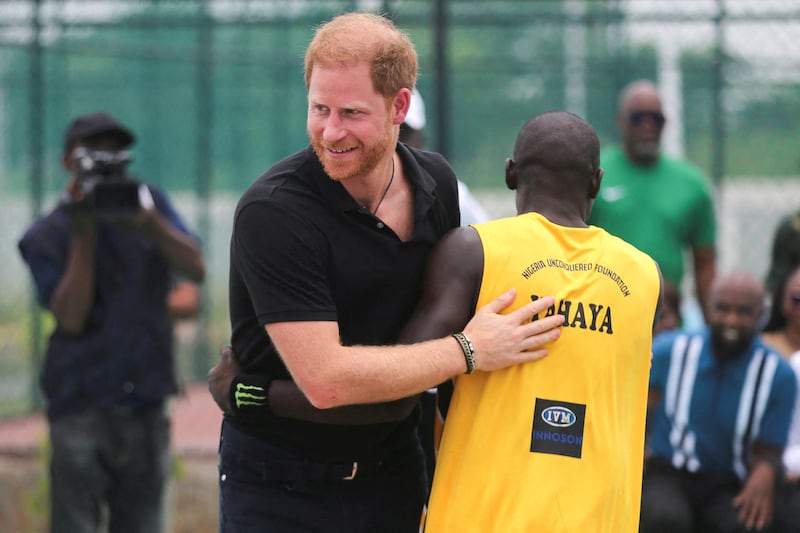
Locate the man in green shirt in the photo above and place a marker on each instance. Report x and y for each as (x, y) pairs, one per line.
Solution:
(660, 204)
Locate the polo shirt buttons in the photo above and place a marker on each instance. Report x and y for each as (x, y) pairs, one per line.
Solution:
(128, 387)
(380, 225)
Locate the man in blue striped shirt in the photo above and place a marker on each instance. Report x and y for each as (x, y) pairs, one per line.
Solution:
(721, 402)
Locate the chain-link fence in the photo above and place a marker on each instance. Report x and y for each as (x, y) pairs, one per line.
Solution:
(214, 91)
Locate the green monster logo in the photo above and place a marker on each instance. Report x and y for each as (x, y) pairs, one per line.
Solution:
(249, 395)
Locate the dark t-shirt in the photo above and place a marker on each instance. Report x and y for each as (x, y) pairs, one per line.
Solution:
(304, 250)
(125, 354)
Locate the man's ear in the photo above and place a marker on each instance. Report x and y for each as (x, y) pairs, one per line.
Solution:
(401, 104)
(594, 183)
(511, 174)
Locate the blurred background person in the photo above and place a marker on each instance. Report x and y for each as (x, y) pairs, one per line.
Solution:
(660, 204)
(782, 332)
(506, 462)
(718, 417)
(785, 250)
(104, 261)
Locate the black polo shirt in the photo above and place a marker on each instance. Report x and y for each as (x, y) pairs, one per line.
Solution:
(304, 250)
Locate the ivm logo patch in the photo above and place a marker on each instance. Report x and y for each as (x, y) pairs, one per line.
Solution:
(558, 427)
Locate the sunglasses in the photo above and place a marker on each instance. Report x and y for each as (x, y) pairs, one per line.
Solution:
(638, 117)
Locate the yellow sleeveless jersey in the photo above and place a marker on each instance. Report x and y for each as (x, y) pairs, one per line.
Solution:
(554, 445)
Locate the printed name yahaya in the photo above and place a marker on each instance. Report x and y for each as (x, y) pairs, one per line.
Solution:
(594, 317)
(576, 267)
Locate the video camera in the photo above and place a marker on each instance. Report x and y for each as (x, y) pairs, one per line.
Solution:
(106, 188)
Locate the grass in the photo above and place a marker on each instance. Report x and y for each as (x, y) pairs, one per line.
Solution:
(191, 502)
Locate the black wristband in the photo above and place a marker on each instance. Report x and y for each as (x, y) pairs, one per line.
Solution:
(249, 394)
(469, 352)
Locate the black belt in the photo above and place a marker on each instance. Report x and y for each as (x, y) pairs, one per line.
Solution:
(284, 469)
(270, 461)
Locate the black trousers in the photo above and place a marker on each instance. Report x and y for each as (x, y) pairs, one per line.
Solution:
(676, 500)
(789, 519)
(265, 488)
(114, 460)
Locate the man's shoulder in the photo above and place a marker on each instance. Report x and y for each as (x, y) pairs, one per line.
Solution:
(618, 173)
(614, 162)
(428, 158)
(781, 363)
(432, 163)
(160, 197)
(51, 224)
(289, 165)
(665, 343)
(434, 181)
(48, 236)
(278, 176)
(683, 169)
(783, 384)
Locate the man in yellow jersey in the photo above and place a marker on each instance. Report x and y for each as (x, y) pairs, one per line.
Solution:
(557, 444)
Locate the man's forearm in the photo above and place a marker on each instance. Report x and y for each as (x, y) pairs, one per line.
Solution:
(73, 297)
(257, 395)
(705, 268)
(181, 251)
(286, 400)
(332, 375)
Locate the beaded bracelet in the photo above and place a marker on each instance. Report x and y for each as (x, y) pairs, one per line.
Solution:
(469, 351)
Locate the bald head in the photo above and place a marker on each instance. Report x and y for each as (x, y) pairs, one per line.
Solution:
(636, 93)
(736, 303)
(641, 121)
(743, 284)
(556, 166)
(557, 142)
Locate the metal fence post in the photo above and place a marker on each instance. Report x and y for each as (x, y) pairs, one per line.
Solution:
(36, 103)
(205, 111)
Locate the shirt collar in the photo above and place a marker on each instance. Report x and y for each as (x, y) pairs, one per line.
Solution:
(422, 183)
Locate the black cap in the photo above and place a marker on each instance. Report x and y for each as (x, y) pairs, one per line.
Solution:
(92, 124)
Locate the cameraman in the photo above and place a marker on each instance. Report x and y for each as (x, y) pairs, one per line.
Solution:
(105, 272)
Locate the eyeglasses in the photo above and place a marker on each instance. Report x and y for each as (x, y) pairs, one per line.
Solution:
(637, 117)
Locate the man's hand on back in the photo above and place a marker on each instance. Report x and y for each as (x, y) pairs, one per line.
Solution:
(220, 378)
